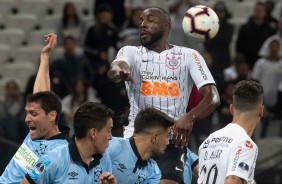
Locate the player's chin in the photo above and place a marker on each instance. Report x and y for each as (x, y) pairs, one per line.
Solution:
(33, 135)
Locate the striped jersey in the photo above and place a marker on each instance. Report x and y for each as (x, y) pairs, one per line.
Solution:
(162, 80)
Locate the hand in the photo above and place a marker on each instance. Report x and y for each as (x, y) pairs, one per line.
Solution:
(120, 74)
(181, 131)
(107, 178)
(51, 40)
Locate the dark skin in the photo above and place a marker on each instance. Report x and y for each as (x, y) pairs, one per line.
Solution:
(154, 31)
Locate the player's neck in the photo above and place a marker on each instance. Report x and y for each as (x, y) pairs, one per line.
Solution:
(84, 149)
(55, 131)
(161, 46)
(247, 124)
(142, 147)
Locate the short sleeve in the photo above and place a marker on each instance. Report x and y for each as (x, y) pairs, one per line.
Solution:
(44, 171)
(155, 174)
(127, 54)
(192, 158)
(242, 160)
(199, 70)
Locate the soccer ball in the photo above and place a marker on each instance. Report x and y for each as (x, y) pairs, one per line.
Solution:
(200, 23)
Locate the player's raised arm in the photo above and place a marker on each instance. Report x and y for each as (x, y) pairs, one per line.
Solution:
(42, 81)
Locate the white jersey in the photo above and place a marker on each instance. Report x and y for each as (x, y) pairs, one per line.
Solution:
(162, 80)
(228, 151)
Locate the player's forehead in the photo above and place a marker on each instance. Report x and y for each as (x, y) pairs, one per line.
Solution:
(155, 12)
(33, 106)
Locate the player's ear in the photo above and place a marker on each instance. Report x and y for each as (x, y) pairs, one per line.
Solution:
(93, 132)
(52, 116)
(231, 108)
(261, 111)
(154, 138)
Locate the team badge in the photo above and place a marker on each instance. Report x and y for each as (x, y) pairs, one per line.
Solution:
(42, 148)
(243, 166)
(39, 167)
(173, 61)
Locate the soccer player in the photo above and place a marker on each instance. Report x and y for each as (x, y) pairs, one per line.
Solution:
(229, 154)
(161, 75)
(42, 112)
(83, 159)
(131, 158)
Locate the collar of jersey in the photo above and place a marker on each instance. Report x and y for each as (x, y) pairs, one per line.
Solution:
(63, 135)
(139, 163)
(74, 153)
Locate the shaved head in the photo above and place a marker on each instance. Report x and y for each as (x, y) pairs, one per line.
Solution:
(164, 14)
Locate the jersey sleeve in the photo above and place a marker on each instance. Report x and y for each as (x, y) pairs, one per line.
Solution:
(199, 70)
(242, 160)
(127, 54)
(192, 158)
(44, 171)
(155, 174)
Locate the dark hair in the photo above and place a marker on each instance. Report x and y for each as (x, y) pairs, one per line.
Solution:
(90, 115)
(48, 100)
(65, 16)
(151, 118)
(247, 95)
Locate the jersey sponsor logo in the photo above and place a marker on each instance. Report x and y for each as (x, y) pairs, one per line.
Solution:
(173, 62)
(25, 157)
(243, 166)
(161, 89)
(39, 167)
(249, 144)
(221, 139)
(147, 75)
(73, 175)
(237, 154)
(121, 167)
(200, 67)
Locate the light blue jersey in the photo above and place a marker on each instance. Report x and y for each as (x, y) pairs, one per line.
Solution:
(128, 168)
(65, 166)
(191, 162)
(28, 154)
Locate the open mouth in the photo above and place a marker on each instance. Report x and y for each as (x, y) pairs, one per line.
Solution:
(32, 128)
(143, 35)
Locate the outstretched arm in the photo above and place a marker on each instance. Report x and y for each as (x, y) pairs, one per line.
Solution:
(42, 81)
(207, 105)
(120, 71)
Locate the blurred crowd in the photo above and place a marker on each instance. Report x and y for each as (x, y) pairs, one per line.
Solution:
(78, 77)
